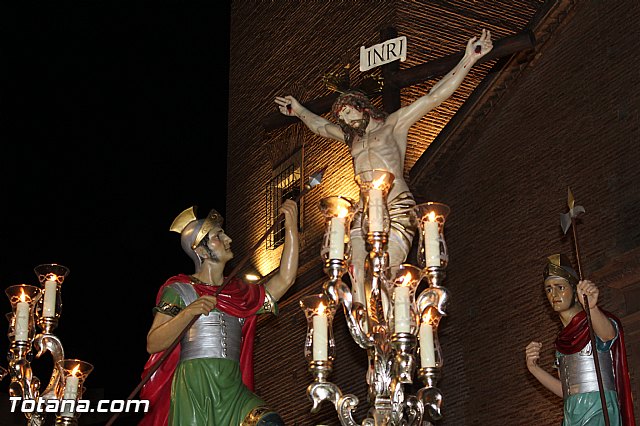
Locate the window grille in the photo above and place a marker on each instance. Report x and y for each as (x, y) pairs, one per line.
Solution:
(286, 184)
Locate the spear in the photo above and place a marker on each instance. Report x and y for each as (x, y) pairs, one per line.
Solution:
(568, 220)
(314, 180)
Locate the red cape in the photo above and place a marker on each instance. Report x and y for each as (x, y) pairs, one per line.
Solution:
(238, 299)
(575, 336)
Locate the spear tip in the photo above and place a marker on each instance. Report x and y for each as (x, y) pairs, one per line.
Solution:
(316, 178)
(570, 200)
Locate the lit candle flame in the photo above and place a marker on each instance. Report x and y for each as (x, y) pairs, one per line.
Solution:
(342, 212)
(321, 308)
(431, 315)
(427, 318)
(377, 184)
(431, 216)
(404, 280)
(23, 297)
(74, 372)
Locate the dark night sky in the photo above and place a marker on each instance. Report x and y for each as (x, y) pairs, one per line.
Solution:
(113, 119)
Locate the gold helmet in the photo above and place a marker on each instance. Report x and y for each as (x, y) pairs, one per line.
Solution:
(192, 230)
(559, 266)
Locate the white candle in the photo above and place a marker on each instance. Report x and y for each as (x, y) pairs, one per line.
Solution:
(49, 306)
(70, 392)
(336, 238)
(427, 348)
(402, 310)
(22, 320)
(431, 243)
(376, 209)
(320, 339)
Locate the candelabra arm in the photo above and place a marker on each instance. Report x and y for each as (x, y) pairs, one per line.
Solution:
(430, 396)
(36, 420)
(406, 410)
(50, 343)
(3, 372)
(345, 407)
(431, 400)
(396, 400)
(23, 383)
(356, 318)
(376, 267)
(435, 295)
(354, 312)
(319, 391)
(323, 390)
(413, 411)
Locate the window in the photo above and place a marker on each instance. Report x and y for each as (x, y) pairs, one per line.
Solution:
(286, 184)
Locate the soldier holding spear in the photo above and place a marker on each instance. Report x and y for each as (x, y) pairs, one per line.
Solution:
(590, 380)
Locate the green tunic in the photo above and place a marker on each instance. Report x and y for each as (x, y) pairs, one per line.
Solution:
(585, 409)
(210, 392)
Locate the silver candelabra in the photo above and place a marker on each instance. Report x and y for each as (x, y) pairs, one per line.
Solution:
(40, 307)
(398, 330)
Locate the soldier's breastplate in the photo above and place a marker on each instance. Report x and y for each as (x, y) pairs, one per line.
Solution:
(217, 335)
(578, 372)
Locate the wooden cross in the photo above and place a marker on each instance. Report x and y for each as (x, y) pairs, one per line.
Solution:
(396, 79)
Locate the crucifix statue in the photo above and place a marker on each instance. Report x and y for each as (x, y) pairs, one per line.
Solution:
(396, 79)
(378, 140)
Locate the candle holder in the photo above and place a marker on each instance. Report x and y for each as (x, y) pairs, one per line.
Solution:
(432, 251)
(48, 311)
(336, 246)
(403, 286)
(431, 365)
(374, 188)
(73, 373)
(403, 320)
(336, 290)
(51, 276)
(23, 299)
(431, 317)
(319, 344)
(319, 348)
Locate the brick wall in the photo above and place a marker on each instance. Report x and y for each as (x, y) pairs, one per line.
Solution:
(570, 120)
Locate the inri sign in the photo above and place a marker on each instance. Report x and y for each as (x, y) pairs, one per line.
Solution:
(383, 53)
